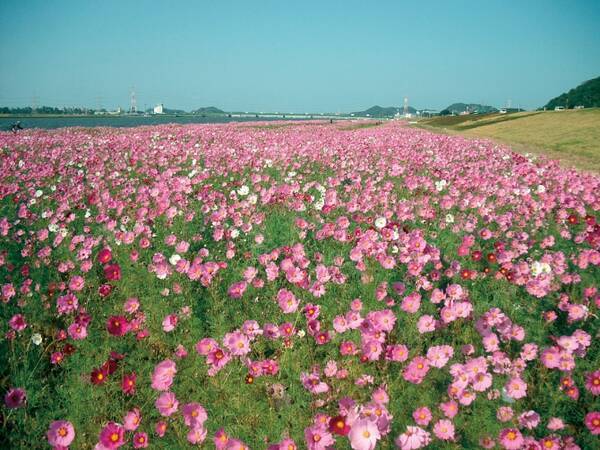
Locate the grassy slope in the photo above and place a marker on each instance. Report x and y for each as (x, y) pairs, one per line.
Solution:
(573, 137)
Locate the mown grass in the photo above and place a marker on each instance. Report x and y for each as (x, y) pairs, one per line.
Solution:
(572, 137)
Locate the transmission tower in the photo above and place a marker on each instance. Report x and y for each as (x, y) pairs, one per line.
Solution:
(133, 106)
(405, 106)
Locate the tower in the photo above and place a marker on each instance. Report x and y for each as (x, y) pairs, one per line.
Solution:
(133, 104)
(405, 106)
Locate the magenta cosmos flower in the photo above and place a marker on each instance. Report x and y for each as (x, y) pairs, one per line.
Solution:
(592, 421)
(15, 398)
(592, 382)
(140, 440)
(112, 272)
(117, 325)
(112, 436)
(61, 433)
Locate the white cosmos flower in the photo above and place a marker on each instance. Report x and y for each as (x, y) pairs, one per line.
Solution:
(318, 205)
(538, 268)
(252, 199)
(39, 193)
(380, 222)
(244, 190)
(440, 185)
(235, 233)
(53, 228)
(36, 338)
(449, 218)
(541, 189)
(174, 259)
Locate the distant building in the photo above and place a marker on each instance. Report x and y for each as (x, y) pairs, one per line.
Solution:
(158, 109)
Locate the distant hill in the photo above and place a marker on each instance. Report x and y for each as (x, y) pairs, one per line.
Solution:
(457, 108)
(173, 111)
(208, 110)
(586, 94)
(381, 112)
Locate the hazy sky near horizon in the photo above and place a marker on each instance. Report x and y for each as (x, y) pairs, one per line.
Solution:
(295, 56)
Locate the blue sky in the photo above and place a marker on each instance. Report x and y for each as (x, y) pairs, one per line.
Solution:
(295, 56)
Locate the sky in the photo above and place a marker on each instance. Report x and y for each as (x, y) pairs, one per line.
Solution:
(295, 56)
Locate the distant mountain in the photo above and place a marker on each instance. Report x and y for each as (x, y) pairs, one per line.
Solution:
(586, 94)
(208, 110)
(381, 112)
(457, 108)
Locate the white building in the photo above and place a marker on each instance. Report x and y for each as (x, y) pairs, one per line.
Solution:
(158, 109)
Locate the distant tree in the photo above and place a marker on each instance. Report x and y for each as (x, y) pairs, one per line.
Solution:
(445, 112)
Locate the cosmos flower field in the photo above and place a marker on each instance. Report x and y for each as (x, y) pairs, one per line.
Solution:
(294, 286)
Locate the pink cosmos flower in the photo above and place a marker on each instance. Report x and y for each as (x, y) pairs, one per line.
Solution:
(318, 438)
(364, 435)
(166, 404)
(416, 370)
(529, 420)
(555, 424)
(162, 377)
(196, 435)
(450, 408)
(422, 416)
(511, 439)
(131, 305)
(169, 323)
(313, 383)
(516, 388)
(287, 301)
(160, 428)
(76, 283)
(112, 436)
(61, 433)
(426, 324)
(411, 303)
(132, 420)
(237, 343)
(413, 438)
(236, 290)
(194, 414)
(140, 440)
(444, 430)
(66, 304)
(77, 331)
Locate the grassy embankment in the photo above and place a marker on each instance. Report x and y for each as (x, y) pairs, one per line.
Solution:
(573, 137)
